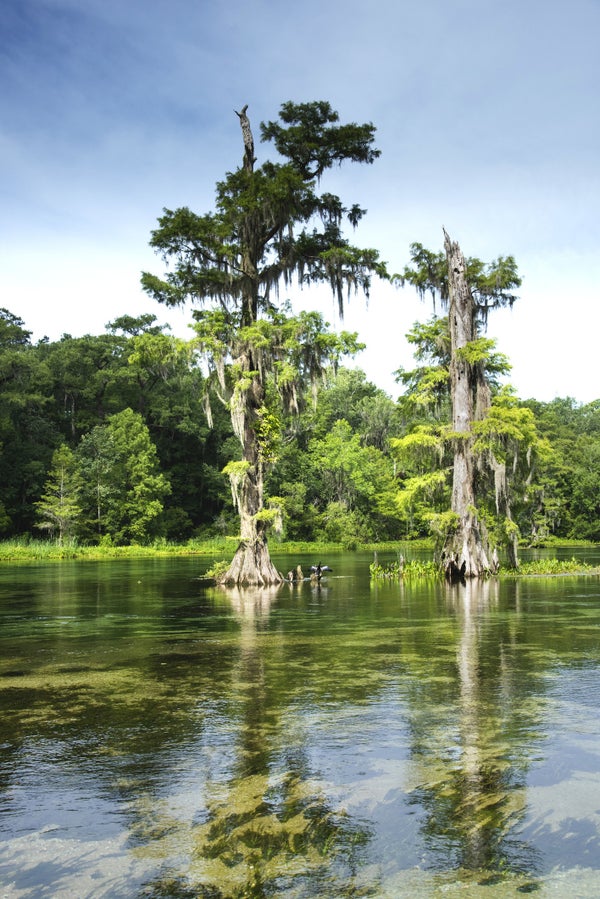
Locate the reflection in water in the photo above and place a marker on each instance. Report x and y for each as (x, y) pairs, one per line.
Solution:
(250, 603)
(266, 830)
(480, 793)
(162, 739)
(477, 796)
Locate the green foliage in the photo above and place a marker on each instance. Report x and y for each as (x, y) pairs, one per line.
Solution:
(58, 510)
(442, 525)
(217, 570)
(342, 525)
(479, 351)
(237, 254)
(512, 492)
(12, 332)
(508, 453)
(271, 225)
(428, 386)
(419, 450)
(584, 499)
(492, 284)
(354, 468)
(399, 570)
(309, 136)
(98, 489)
(273, 516)
(352, 475)
(549, 451)
(4, 519)
(425, 486)
(508, 429)
(125, 488)
(26, 549)
(539, 567)
(423, 476)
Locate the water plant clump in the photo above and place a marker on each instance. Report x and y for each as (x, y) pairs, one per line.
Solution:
(554, 566)
(405, 570)
(217, 570)
(415, 569)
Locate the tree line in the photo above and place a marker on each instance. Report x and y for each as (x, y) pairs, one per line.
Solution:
(108, 438)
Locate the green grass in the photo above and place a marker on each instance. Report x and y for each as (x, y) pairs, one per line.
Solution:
(415, 569)
(550, 541)
(552, 567)
(411, 570)
(26, 550)
(29, 550)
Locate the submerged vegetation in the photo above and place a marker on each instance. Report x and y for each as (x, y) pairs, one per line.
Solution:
(325, 745)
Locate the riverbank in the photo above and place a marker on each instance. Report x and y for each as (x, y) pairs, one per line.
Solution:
(223, 548)
(25, 550)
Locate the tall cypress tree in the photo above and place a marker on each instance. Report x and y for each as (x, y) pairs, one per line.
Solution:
(272, 225)
(469, 290)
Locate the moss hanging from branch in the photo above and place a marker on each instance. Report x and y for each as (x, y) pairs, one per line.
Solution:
(237, 472)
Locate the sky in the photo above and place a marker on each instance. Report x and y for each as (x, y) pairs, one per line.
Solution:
(487, 119)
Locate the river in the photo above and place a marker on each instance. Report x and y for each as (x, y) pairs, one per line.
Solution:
(163, 738)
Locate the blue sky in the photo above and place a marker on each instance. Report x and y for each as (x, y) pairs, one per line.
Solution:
(486, 116)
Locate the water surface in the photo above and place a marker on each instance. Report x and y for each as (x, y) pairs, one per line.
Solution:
(162, 738)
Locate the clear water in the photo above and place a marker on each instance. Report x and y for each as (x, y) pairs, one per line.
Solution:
(162, 738)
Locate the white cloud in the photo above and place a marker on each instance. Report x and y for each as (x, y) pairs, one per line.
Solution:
(484, 114)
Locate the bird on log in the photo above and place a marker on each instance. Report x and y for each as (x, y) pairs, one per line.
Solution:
(316, 571)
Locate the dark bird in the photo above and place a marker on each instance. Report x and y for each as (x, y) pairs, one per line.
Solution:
(317, 570)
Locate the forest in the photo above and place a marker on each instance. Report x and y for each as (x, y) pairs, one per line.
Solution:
(107, 439)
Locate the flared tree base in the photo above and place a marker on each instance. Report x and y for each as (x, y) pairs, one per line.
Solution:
(466, 554)
(251, 566)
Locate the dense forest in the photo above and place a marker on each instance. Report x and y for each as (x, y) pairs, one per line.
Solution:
(108, 439)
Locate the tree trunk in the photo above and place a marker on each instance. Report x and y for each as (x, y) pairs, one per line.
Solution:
(466, 550)
(251, 564)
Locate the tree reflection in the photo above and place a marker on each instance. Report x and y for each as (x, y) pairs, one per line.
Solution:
(268, 830)
(476, 796)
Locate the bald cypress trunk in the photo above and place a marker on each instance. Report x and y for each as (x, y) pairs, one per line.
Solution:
(466, 550)
(251, 564)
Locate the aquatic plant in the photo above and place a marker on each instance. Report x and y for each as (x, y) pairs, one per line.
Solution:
(415, 569)
(553, 566)
(401, 570)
